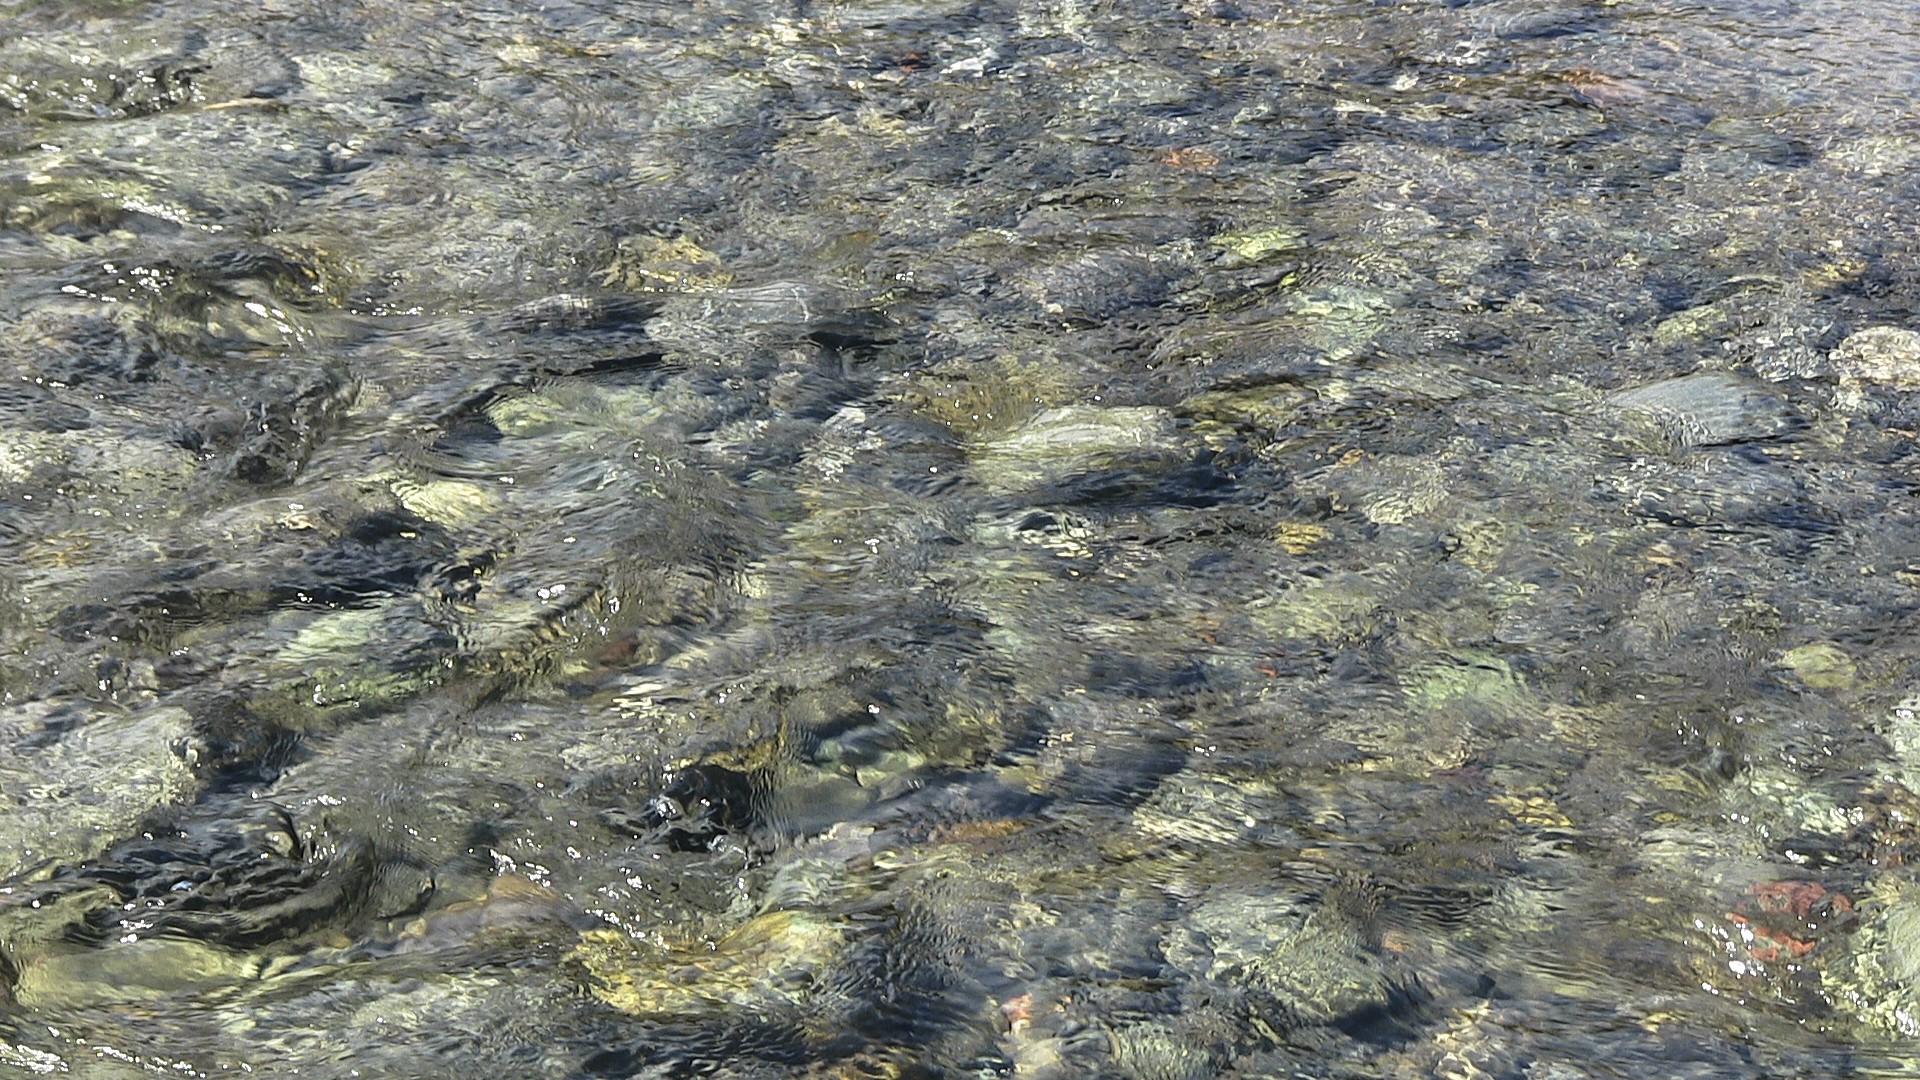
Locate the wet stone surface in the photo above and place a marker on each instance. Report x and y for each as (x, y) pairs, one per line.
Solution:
(618, 539)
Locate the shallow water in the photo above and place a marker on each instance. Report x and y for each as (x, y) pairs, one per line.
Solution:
(1235, 538)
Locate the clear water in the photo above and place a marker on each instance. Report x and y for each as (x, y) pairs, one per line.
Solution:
(1050, 540)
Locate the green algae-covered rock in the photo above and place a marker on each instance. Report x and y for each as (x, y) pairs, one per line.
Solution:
(1483, 684)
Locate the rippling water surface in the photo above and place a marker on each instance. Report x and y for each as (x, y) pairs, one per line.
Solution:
(861, 539)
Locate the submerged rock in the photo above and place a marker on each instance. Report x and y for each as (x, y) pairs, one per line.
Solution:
(778, 957)
(1879, 985)
(1096, 286)
(76, 778)
(1709, 408)
(1888, 355)
(1739, 300)
(149, 969)
(652, 264)
(1073, 438)
(1821, 665)
(1152, 1051)
(1306, 957)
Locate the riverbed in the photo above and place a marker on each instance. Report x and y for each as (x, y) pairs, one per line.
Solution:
(1129, 539)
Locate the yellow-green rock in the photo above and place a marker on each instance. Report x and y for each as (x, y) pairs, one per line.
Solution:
(775, 958)
(1254, 245)
(1821, 666)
